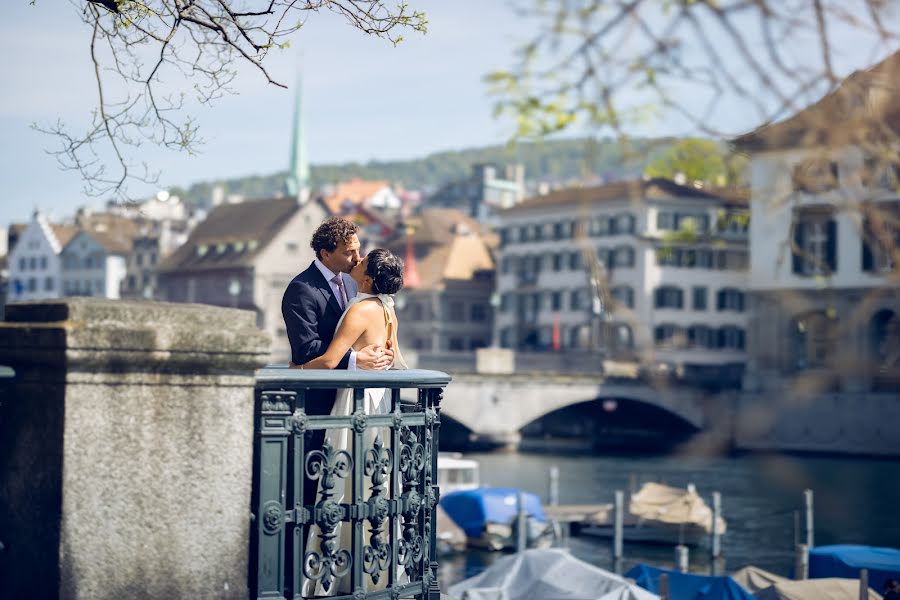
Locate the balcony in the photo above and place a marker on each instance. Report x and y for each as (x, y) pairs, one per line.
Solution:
(353, 517)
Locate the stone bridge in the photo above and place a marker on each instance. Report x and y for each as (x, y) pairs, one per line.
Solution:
(497, 407)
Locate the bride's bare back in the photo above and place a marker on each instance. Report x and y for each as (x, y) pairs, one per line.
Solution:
(364, 324)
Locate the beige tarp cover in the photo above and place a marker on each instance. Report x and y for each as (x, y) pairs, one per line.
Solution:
(815, 589)
(754, 579)
(667, 504)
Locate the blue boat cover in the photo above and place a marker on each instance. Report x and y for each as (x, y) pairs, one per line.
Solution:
(846, 560)
(688, 586)
(471, 509)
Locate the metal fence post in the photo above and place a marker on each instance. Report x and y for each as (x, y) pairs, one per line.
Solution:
(801, 563)
(619, 509)
(553, 491)
(715, 546)
(521, 525)
(808, 507)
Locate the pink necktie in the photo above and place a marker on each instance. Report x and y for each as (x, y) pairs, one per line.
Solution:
(342, 296)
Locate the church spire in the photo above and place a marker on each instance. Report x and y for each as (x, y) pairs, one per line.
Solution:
(298, 178)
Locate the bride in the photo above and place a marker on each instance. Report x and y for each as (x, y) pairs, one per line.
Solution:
(369, 319)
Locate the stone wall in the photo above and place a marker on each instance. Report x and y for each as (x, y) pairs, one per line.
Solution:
(126, 444)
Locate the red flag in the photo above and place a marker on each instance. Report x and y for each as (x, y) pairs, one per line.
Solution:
(554, 338)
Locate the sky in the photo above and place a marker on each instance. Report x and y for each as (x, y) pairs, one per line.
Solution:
(363, 99)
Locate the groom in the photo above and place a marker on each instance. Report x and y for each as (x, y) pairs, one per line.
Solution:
(312, 305)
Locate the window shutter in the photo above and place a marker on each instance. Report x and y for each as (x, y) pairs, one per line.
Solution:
(658, 297)
(680, 296)
(720, 341)
(720, 300)
(831, 246)
(868, 259)
(797, 253)
(740, 302)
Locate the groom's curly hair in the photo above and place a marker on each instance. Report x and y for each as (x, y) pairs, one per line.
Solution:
(332, 231)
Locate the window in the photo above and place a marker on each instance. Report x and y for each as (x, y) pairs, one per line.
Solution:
(701, 336)
(624, 295)
(575, 261)
(730, 299)
(600, 226)
(704, 259)
(815, 245)
(556, 300)
(478, 312)
(23, 264)
(604, 255)
(32, 284)
(699, 297)
(731, 337)
(557, 262)
(140, 259)
(99, 287)
(623, 256)
(580, 299)
(669, 297)
(624, 223)
(881, 237)
(457, 311)
(32, 263)
(48, 284)
(810, 340)
(457, 343)
(664, 221)
(43, 262)
(668, 334)
(505, 265)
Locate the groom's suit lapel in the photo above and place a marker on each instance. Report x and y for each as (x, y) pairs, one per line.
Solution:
(325, 289)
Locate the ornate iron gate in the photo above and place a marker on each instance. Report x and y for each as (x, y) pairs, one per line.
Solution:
(381, 486)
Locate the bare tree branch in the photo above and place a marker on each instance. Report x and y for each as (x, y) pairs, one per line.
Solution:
(138, 45)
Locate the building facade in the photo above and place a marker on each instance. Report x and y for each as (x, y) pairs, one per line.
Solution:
(35, 269)
(446, 306)
(244, 256)
(647, 269)
(483, 193)
(93, 264)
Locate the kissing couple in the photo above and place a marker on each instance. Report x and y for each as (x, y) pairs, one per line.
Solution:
(339, 314)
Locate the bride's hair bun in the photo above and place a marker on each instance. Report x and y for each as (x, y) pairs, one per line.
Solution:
(386, 271)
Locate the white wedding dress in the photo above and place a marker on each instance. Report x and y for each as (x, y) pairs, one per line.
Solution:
(375, 401)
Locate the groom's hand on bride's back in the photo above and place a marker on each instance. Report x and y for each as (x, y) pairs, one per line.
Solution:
(374, 358)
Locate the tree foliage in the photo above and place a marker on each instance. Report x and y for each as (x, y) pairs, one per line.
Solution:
(698, 159)
(153, 58)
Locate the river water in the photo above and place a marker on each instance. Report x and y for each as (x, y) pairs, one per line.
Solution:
(856, 501)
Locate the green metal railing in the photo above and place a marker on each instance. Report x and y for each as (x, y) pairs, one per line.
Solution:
(369, 529)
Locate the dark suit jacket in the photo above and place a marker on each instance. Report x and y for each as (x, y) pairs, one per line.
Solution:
(311, 314)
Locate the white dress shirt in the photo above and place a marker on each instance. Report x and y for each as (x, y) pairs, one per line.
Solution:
(351, 292)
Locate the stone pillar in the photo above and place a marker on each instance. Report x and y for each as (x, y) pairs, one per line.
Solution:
(126, 445)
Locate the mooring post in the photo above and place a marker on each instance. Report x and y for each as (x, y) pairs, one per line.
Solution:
(801, 564)
(664, 586)
(618, 518)
(810, 528)
(863, 584)
(553, 491)
(681, 558)
(715, 546)
(521, 525)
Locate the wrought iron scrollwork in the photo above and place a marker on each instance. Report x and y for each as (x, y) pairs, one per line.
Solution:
(331, 562)
(378, 465)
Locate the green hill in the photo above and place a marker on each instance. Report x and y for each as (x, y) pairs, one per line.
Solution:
(552, 160)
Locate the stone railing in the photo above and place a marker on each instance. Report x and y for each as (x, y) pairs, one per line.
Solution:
(349, 513)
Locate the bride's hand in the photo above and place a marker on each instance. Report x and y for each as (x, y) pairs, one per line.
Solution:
(374, 358)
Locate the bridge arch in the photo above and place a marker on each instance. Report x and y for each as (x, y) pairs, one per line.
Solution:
(504, 405)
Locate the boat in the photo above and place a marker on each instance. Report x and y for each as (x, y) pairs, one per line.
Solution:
(547, 574)
(456, 473)
(688, 585)
(489, 517)
(831, 588)
(659, 514)
(846, 561)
